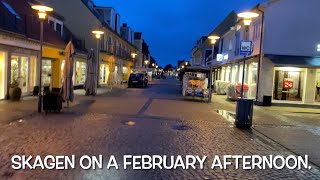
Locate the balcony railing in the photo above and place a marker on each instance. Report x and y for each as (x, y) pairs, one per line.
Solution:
(117, 51)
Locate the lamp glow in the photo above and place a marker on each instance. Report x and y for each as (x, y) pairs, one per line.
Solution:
(248, 15)
(247, 22)
(213, 41)
(42, 11)
(98, 34)
(133, 55)
(214, 37)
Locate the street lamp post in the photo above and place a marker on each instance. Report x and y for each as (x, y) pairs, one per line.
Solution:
(146, 63)
(42, 13)
(248, 16)
(98, 34)
(213, 41)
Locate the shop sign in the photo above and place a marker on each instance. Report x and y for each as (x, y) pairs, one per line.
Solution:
(246, 47)
(288, 83)
(219, 57)
(226, 57)
(18, 42)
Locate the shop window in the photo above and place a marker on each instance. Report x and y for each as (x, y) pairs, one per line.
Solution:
(24, 74)
(288, 85)
(14, 69)
(80, 72)
(33, 73)
(46, 72)
(104, 74)
(2, 74)
(124, 74)
(234, 73)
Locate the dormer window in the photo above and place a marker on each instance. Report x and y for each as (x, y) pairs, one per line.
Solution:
(56, 24)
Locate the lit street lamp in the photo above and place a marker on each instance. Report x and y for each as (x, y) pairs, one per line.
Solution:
(213, 41)
(247, 19)
(133, 55)
(98, 34)
(146, 62)
(186, 63)
(42, 13)
(153, 64)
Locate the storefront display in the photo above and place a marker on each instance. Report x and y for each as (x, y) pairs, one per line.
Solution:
(104, 73)
(288, 84)
(252, 80)
(80, 73)
(2, 74)
(124, 74)
(46, 72)
(23, 70)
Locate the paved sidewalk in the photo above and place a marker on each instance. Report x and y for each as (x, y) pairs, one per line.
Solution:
(297, 129)
(28, 106)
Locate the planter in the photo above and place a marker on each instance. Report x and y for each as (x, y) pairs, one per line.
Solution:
(15, 93)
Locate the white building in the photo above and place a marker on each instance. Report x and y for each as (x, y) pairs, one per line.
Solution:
(287, 67)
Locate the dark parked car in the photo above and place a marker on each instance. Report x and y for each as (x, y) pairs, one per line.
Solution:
(138, 79)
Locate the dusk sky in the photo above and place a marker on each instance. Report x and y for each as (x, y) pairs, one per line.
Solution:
(172, 27)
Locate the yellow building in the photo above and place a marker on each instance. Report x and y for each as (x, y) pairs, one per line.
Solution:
(114, 51)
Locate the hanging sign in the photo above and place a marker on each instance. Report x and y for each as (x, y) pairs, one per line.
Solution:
(246, 47)
(219, 57)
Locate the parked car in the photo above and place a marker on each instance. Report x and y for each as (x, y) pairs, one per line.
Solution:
(138, 79)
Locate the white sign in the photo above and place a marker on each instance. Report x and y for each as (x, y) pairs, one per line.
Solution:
(246, 47)
(226, 57)
(219, 57)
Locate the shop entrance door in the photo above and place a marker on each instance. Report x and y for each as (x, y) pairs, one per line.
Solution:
(288, 85)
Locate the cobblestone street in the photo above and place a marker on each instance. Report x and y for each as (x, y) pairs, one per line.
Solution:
(99, 125)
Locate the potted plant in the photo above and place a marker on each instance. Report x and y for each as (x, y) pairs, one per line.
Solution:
(15, 90)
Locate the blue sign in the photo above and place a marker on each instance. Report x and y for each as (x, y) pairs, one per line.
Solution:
(246, 47)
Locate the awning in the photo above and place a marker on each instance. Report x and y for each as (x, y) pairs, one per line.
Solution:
(301, 61)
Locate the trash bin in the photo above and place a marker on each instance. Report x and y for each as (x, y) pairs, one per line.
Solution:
(244, 113)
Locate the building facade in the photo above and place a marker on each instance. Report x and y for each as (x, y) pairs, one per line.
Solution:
(284, 63)
(20, 49)
(115, 62)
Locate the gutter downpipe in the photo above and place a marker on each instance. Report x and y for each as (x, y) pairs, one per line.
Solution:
(260, 54)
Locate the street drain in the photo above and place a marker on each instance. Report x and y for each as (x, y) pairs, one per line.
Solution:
(180, 127)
